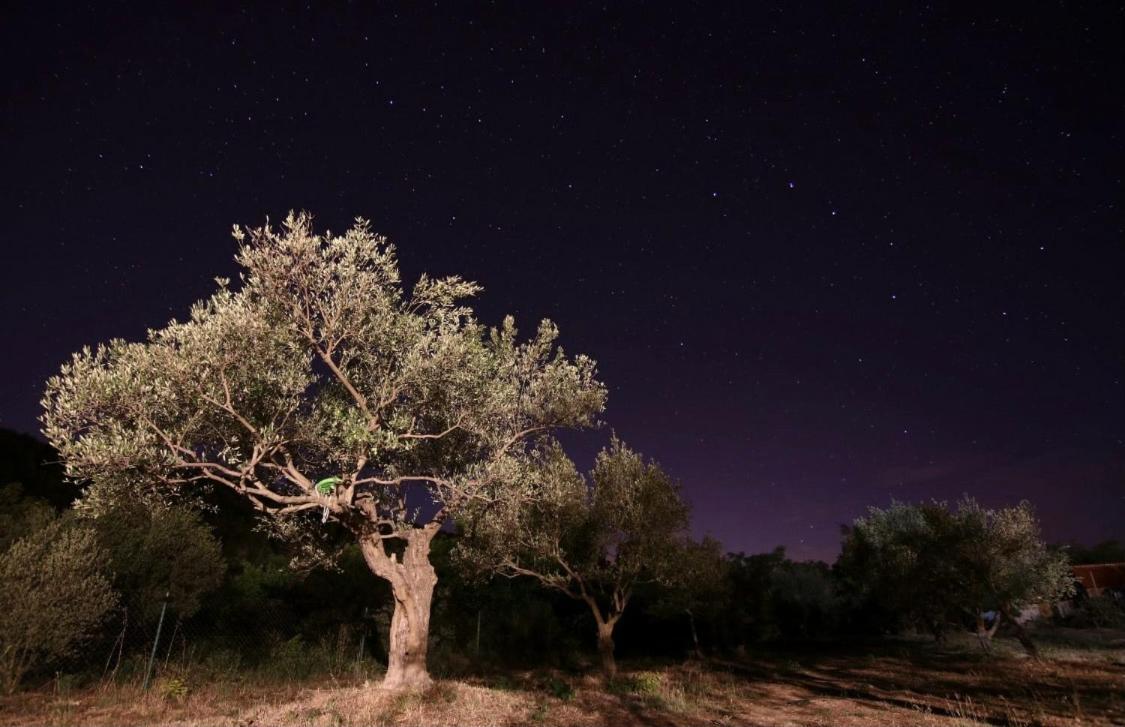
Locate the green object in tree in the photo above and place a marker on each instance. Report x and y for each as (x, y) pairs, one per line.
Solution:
(325, 486)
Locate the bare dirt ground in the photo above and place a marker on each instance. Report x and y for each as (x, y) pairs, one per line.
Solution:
(898, 683)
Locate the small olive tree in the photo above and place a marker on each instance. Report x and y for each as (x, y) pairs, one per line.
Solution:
(594, 540)
(1008, 564)
(938, 565)
(54, 594)
(697, 585)
(322, 392)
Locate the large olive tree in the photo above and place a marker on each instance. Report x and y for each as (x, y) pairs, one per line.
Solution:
(594, 540)
(322, 392)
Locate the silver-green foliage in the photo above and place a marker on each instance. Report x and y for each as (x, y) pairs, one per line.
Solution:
(594, 539)
(320, 364)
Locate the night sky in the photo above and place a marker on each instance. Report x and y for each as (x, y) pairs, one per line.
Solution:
(824, 258)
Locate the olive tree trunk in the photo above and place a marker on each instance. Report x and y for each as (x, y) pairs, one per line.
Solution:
(606, 648)
(605, 637)
(412, 580)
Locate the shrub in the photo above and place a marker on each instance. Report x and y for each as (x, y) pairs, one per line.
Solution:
(173, 688)
(53, 596)
(1097, 612)
(644, 683)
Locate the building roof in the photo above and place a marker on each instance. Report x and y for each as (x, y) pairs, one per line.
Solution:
(1100, 575)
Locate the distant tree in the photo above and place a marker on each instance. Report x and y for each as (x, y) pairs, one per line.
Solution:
(21, 514)
(1107, 551)
(35, 465)
(900, 560)
(594, 541)
(749, 611)
(937, 565)
(696, 585)
(1008, 564)
(804, 601)
(54, 594)
(321, 392)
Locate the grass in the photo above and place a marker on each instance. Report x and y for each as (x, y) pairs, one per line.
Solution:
(900, 682)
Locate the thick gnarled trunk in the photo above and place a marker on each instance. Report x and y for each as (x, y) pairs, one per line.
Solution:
(412, 580)
(605, 631)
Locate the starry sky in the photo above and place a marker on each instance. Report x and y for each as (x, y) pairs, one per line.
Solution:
(824, 258)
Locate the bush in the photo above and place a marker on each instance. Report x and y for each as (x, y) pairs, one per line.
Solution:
(644, 683)
(1100, 612)
(53, 596)
(173, 688)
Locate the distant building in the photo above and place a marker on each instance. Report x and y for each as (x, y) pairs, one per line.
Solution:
(1099, 578)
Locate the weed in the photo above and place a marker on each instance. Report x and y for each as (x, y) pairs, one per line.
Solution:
(172, 688)
(442, 692)
(559, 689)
(539, 714)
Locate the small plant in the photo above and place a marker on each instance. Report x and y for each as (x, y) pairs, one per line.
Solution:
(539, 714)
(444, 692)
(401, 702)
(645, 683)
(559, 689)
(173, 688)
(648, 683)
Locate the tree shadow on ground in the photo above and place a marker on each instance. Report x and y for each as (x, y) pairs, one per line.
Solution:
(989, 690)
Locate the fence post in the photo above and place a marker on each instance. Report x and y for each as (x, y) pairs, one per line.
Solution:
(156, 641)
(362, 637)
(476, 646)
